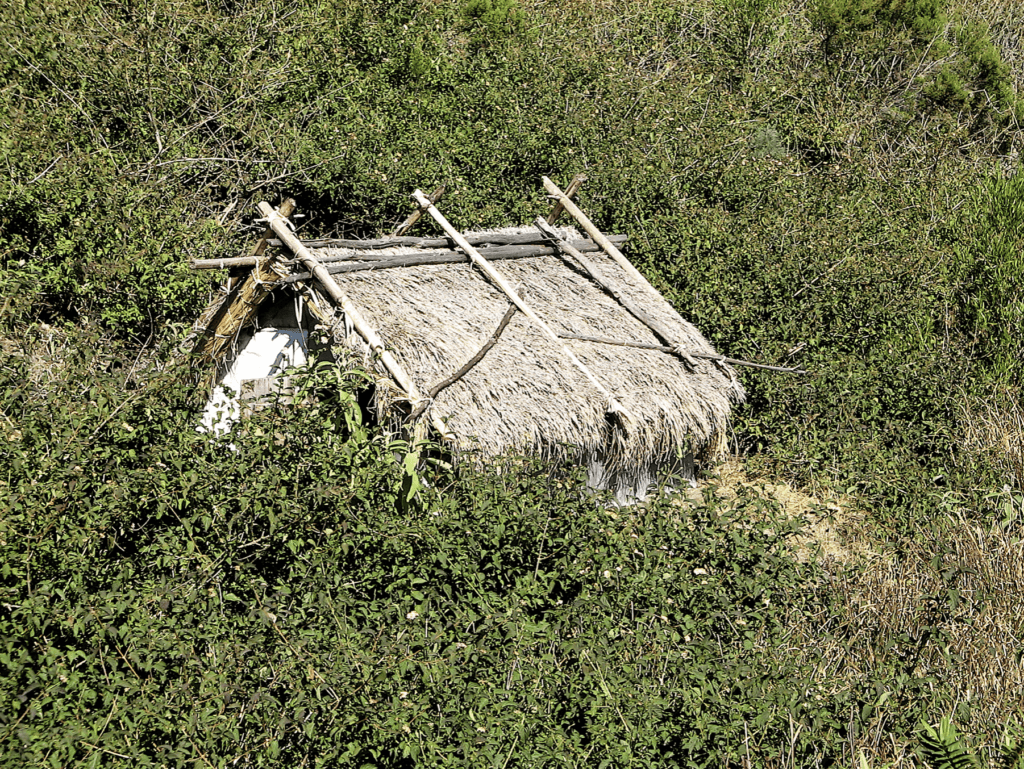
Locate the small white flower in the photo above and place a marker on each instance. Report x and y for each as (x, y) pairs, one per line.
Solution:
(412, 615)
(403, 695)
(607, 574)
(699, 572)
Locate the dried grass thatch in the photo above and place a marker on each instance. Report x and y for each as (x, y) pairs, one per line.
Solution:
(524, 397)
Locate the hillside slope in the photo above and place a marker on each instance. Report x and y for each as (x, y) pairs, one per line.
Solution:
(832, 184)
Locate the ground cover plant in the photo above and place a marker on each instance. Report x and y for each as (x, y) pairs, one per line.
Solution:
(831, 183)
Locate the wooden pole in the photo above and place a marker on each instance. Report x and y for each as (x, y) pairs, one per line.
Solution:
(279, 224)
(660, 329)
(228, 263)
(500, 253)
(377, 261)
(236, 311)
(286, 209)
(613, 406)
(414, 217)
(571, 190)
(600, 238)
(591, 269)
(468, 365)
(483, 238)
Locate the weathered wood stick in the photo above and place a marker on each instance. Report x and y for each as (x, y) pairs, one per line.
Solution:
(601, 238)
(655, 325)
(238, 309)
(498, 253)
(527, 241)
(613, 405)
(224, 264)
(663, 348)
(496, 238)
(445, 383)
(570, 191)
(286, 209)
(492, 252)
(361, 325)
(414, 217)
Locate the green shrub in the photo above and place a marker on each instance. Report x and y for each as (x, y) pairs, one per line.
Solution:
(491, 21)
(991, 275)
(798, 214)
(168, 596)
(947, 89)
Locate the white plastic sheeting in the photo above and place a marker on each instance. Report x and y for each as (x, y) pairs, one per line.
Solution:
(267, 353)
(636, 485)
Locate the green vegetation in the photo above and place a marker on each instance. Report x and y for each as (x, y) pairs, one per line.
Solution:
(832, 184)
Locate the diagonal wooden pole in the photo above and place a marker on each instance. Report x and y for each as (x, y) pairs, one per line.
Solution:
(414, 217)
(660, 329)
(574, 185)
(280, 225)
(613, 405)
(221, 323)
(600, 238)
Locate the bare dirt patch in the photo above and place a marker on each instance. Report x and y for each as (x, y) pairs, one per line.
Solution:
(833, 529)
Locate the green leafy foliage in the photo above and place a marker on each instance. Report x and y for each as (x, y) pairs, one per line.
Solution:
(269, 597)
(820, 185)
(942, 748)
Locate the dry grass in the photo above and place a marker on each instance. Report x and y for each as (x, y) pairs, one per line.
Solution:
(966, 611)
(834, 530)
(993, 427)
(958, 593)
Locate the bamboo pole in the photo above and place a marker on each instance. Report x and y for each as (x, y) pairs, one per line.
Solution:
(279, 224)
(613, 405)
(574, 185)
(600, 238)
(239, 307)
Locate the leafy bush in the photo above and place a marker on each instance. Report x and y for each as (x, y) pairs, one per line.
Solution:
(167, 596)
(828, 213)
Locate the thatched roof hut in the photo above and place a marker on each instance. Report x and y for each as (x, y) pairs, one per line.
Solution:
(628, 406)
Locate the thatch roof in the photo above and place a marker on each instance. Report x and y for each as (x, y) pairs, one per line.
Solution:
(524, 396)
